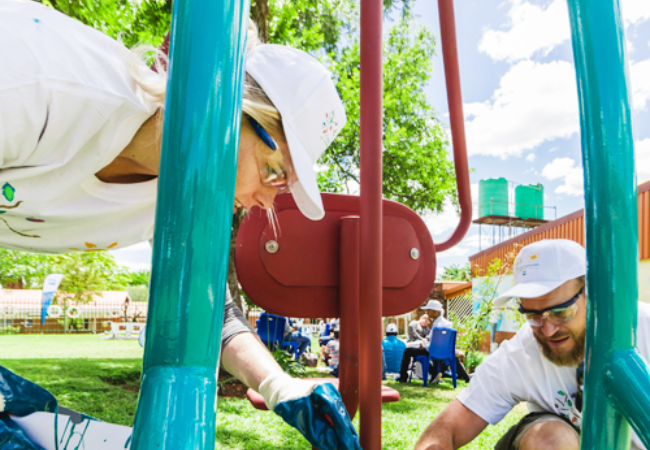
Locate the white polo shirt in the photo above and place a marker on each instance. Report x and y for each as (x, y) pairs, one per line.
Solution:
(518, 372)
(68, 107)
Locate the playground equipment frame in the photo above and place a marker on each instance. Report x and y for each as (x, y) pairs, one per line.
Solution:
(177, 403)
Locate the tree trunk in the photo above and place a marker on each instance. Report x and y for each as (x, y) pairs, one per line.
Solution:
(14, 285)
(233, 282)
(259, 13)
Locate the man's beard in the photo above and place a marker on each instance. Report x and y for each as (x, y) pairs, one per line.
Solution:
(571, 359)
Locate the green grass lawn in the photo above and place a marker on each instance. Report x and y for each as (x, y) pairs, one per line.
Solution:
(101, 378)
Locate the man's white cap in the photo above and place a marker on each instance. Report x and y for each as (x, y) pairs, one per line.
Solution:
(434, 305)
(312, 113)
(391, 328)
(544, 266)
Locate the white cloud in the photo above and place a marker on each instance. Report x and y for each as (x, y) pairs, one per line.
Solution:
(455, 251)
(136, 257)
(531, 157)
(572, 175)
(642, 149)
(558, 168)
(635, 11)
(640, 81)
(442, 222)
(532, 29)
(446, 221)
(534, 103)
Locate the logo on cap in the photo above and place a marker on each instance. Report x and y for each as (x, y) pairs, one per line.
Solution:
(330, 128)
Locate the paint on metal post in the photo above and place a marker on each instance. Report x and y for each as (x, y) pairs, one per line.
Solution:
(611, 229)
(177, 405)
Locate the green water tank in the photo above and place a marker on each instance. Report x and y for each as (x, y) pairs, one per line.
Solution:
(529, 201)
(493, 197)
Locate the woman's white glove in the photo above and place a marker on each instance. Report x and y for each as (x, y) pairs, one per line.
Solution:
(316, 410)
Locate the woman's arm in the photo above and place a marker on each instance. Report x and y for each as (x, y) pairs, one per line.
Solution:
(248, 359)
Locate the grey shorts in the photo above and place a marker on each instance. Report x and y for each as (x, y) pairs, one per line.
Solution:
(510, 440)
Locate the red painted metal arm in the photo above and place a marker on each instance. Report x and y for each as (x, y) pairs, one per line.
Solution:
(455, 100)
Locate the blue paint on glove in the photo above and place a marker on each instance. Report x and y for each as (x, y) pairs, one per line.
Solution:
(21, 397)
(310, 415)
(12, 437)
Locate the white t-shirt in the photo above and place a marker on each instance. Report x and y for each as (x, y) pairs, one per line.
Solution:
(68, 107)
(333, 352)
(441, 322)
(518, 372)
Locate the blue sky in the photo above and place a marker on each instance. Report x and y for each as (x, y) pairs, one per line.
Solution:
(520, 102)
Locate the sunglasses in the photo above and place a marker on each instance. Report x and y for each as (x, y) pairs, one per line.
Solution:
(275, 167)
(557, 315)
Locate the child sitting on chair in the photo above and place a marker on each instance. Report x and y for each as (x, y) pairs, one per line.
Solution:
(332, 354)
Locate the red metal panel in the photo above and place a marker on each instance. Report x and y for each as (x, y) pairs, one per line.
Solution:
(322, 299)
(305, 261)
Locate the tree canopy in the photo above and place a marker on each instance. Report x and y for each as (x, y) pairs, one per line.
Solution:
(82, 271)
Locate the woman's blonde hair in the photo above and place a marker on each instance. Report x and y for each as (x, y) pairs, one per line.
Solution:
(153, 85)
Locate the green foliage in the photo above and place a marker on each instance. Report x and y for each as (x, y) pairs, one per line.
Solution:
(416, 170)
(10, 330)
(285, 359)
(86, 274)
(82, 271)
(309, 25)
(473, 360)
(140, 278)
(133, 21)
(28, 268)
(471, 329)
(138, 293)
(456, 272)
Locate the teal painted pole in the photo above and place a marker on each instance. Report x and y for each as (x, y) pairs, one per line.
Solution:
(626, 382)
(177, 404)
(611, 216)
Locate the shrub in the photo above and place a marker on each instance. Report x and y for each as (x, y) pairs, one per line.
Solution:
(473, 360)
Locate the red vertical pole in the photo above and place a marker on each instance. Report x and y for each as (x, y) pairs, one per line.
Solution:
(349, 313)
(371, 224)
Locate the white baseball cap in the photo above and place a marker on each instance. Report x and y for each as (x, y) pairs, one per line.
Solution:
(434, 305)
(391, 328)
(544, 266)
(302, 90)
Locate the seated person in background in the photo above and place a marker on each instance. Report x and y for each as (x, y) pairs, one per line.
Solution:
(324, 338)
(332, 353)
(393, 349)
(418, 330)
(292, 333)
(437, 312)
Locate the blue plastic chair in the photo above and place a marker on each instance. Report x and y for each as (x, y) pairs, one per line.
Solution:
(270, 328)
(327, 330)
(441, 350)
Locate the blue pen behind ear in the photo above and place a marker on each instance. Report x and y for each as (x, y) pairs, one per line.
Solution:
(262, 133)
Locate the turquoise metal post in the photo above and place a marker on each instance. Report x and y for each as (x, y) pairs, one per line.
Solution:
(611, 222)
(177, 405)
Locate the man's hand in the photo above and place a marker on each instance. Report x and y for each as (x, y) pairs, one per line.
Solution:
(316, 410)
(454, 427)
